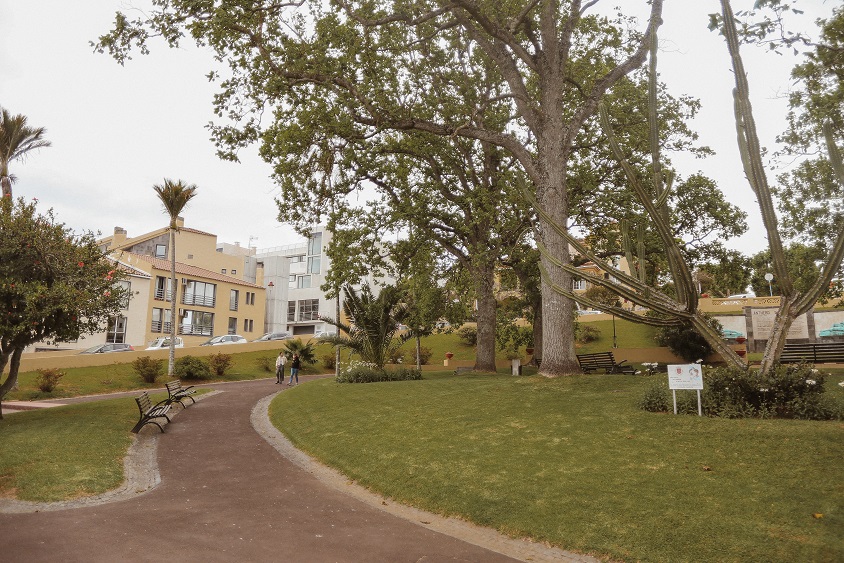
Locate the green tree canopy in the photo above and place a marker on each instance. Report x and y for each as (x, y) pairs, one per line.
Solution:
(54, 285)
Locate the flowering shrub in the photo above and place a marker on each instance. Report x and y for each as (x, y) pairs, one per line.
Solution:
(789, 391)
(48, 379)
(363, 372)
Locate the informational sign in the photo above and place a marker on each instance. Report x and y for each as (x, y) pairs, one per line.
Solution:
(763, 323)
(685, 376)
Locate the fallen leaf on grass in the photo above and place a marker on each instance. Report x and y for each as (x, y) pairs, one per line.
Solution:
(817, 515)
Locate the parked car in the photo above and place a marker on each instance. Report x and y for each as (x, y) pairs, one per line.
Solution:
(730, 334)
(283, 335)
(834, 331)
(225, 339)
(108, 348)
(588, 312)
(164, 343)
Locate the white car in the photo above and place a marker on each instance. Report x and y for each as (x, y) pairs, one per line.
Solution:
(225, 339)
(164, 344)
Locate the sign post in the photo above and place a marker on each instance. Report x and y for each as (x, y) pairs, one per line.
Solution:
(685, 376)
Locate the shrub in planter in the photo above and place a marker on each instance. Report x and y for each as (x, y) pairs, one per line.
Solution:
(190, 367)
(219, 364)
(48, 379)
(148, 368)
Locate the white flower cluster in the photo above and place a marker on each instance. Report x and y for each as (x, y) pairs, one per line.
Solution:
(811, 382)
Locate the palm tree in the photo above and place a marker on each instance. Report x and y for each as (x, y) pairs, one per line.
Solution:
(372, 325)
(16, 139)
(175, 197)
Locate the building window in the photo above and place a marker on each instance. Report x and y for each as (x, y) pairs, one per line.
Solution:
(197, 322)
(313, 264)
(315, 245)
(234, 272)
(578, 285)
(291, 281)
(233, 298)
(303, 282)
(199, 293)
(248, 325)
(162, 289)
(161, 251)
(127, 286)
(116, 333)
(190, 256)
(250, 297)
(160, 321)
(232, 325)
(223, 270)
(300, 258)
(309, 310)
(291, 311)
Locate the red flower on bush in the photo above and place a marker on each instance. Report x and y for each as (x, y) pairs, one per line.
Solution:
(80, 264)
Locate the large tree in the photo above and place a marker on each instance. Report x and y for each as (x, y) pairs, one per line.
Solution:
(357, 61)
(16, 140)
(174, 198)
(55, 285)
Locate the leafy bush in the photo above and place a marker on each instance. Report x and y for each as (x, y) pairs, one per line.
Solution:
(362, 372)
(396, 356)
(329, 361)
(788, 392)
(190, 367)
(425, 355)
(266, 363)
(48, 379)
(585, 333)
(148, 368)
(468, 335)
(219, 364)
(295, 346)
(685, 342)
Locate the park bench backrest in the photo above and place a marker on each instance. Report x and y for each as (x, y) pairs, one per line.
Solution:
(144, 403)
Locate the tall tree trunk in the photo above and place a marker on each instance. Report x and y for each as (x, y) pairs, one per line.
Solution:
(12, 378)
(484, 291)
(171, 363)
(6, 183)
(537, 332)
(779, 332)
(418, 353)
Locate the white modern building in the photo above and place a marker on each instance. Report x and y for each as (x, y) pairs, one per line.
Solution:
(293, 276)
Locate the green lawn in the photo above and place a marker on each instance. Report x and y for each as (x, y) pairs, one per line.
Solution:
(66, 452)
(573, 462)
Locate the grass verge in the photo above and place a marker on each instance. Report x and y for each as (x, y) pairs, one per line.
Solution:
(573, 462)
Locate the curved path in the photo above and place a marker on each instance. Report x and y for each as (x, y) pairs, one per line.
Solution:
(226, 493)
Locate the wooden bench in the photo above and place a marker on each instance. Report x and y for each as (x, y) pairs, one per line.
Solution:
(150, 412)
(813, 353)
(605, 361)
(176, 393)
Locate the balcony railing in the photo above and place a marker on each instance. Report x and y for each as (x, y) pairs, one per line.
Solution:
(161, 296)
(233, 305)
(194, 299)
(199, 330)
(158, 326)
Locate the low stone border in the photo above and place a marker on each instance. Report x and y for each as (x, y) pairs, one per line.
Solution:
(140, 468)
(521, 549)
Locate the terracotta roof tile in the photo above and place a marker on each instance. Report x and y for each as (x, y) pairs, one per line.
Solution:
(190, 270)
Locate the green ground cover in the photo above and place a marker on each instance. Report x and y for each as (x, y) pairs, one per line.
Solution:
(573, 461)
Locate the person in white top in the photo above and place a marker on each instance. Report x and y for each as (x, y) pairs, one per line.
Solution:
(279, 367)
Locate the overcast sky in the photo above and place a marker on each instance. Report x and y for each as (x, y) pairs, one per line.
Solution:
(116, 131)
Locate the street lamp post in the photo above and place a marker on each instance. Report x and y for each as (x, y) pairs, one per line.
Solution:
(769, 277)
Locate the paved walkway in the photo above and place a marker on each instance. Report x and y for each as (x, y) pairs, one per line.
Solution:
(227, 493)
